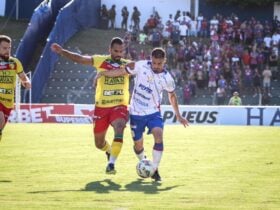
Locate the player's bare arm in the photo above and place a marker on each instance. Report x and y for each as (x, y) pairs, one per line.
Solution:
(24, 80)
(82, 59)
(174, 103)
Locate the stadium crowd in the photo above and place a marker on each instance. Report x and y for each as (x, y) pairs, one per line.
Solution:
(220, 55)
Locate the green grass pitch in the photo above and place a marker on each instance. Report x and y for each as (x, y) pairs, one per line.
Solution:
(56, 166)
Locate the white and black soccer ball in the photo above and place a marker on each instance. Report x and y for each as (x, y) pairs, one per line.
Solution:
(145, 168)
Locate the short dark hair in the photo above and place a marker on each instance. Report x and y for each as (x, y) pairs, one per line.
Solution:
(4, 38)
(116, 40)
(158, 52)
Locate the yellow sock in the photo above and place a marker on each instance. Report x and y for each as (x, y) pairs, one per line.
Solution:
(107, 147)
(116, 149)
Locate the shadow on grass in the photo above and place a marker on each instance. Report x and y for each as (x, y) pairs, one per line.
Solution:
(107, 186)
(5, 181)
(141, 185)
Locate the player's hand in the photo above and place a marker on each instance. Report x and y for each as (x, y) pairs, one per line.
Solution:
(56, 48)
(26, 84)
(131, 65)
(183, 121)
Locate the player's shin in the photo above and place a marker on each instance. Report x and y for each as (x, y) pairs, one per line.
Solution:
(157, 154)
(116, 147)
(140, 154)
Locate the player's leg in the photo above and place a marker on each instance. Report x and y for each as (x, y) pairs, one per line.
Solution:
(118, 126)
(4, 114)
(158, 146)
(157, 151)
(155, 125)
(139, 149)
(100, 126)
(2, 123)
(117, 118)
(137, 126)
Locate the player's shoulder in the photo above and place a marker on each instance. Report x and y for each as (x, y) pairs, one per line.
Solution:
(143, 63)
(99, 56)
(14, 60)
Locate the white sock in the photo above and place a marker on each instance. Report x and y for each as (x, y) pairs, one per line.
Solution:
(156, 157)
(112, 159)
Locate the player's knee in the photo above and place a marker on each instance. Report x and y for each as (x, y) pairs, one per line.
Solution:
(99, 144)
(119, 127)
(138, 148)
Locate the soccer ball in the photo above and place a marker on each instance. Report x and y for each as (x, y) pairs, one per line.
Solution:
(145, 168)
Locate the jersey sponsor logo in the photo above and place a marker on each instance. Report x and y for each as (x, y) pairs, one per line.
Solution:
(6, 80)
(113, 101)
(6, 91)
(5, 99)
(114, 80)
(143, 87)
(141, 95)
(113, 92)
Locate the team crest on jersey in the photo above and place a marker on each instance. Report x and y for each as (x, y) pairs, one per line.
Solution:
(12, 66)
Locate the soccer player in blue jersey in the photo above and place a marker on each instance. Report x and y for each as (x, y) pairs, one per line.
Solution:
(151, 79)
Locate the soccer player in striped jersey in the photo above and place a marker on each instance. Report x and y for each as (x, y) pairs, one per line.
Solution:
(151, 79)
(111, 97)
(9, 68)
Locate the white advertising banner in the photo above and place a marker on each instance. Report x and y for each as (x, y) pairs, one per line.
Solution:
(199, 115)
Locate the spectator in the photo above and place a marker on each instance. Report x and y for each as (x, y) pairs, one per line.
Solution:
(103, 17)
(156, 38)
(221, 96)
(136, 18)
(112, 16)
(267, 80)
(203, 32)
(142, 39)
(235, 100)
(273, 64)
(199, 21)
(170, 55)
(187, 93)
(257, 82)
(177, 15)
(125, 15)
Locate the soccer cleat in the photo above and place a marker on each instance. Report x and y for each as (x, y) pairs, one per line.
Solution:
(108, 155)
(156, 176)
(110, 169)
